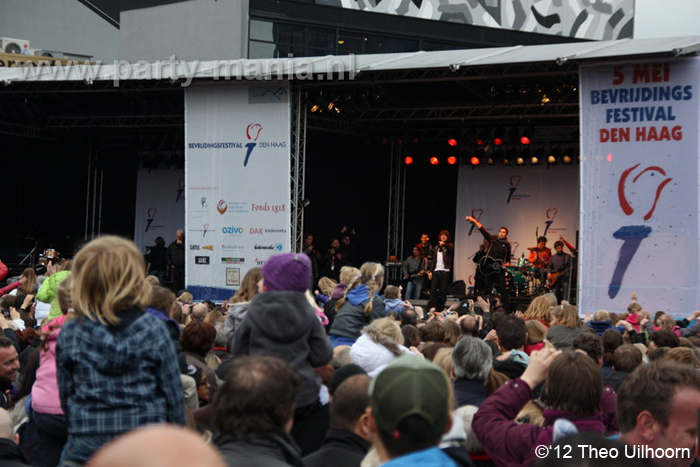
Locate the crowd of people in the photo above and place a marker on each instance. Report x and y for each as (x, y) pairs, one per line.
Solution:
(115, 366)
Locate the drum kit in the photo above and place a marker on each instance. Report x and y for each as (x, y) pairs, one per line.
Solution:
(526, 279)
(49, 256)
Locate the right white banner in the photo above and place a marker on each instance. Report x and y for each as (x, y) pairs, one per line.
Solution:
(639, 186)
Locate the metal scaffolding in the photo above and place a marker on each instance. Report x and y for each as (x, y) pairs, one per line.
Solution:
(93, 197)
(298, 168)
(397, 191)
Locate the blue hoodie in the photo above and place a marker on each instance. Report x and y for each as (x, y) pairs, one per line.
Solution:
(393, 304)
(358, 295)
(433, 457)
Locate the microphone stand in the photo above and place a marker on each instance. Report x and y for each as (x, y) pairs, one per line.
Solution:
(30, 255)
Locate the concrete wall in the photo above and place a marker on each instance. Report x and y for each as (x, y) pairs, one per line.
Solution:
(63, 25)
(193, 30)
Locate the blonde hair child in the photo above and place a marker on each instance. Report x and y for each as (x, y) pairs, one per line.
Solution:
(113, 352)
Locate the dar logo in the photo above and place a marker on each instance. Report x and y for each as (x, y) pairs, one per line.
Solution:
(624, 203)
(551, 214)
(221, 206)
(151, 214)
(514, 182)
(476, 214)
(513, 248)
(633, 235)
(180, 190)
(252, 132)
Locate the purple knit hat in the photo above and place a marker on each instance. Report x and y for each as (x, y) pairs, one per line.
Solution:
(287, 272)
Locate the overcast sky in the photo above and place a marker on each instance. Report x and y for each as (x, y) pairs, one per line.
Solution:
(666, 18)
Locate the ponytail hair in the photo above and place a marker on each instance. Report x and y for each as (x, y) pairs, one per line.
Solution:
(372, 275)
(351, 281)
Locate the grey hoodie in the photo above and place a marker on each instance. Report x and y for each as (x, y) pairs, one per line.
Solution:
(284, 325)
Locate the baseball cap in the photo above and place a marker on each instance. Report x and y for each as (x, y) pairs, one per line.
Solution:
(410, 385)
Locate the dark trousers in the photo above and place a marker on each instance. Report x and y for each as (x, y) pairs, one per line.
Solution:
(438, 288)
(561, 288)
(43, 438)
(311, 422)
(178, 277)
(498, 280)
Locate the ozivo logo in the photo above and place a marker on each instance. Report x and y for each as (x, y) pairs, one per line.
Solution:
(232, 230)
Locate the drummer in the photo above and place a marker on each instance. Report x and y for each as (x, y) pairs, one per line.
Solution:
(539, 258)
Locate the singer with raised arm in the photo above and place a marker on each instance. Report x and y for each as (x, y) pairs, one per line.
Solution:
(494, 262)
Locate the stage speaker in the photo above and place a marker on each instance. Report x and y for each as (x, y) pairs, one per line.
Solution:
(458, 288)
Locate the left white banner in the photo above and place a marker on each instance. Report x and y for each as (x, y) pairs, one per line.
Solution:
(160, 205)
(237, 165)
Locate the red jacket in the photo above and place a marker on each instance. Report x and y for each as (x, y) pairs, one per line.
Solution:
(510, 444)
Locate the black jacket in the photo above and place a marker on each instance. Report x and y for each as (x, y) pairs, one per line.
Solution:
(274, 450)
(470, 392)
(283, 324)
(157, 257)
(11, 455)
(511, 369)
(448, 253)
(341, 448)
(615, 379)
(176, 254)
(499, 250)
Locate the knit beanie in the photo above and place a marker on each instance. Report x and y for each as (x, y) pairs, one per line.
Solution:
(287, 272)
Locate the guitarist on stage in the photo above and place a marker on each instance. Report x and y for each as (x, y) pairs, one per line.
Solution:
(493, 264)
(558, 270)
(478, 276)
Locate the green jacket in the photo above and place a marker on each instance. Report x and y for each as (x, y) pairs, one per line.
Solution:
(48, 293)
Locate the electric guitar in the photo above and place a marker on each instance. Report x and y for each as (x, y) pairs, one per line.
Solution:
(554, 277)
(489, 266)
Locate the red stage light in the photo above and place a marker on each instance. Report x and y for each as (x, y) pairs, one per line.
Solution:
(408, 160)
(434, 160)
(452, 142)
(497, 141)
(524, 140)
(452, 160)
(609, 157)
(480, 142)
(475, 161)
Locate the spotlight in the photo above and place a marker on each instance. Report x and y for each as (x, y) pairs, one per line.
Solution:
(490, 161)
(434, 160)
(534, 160)
(497, 141)
(331, 104)
(505, 161)
(475, 160)
(408, 160)
(524, 140)
(479, 142)
(555, 155)
(452, 142)
(519, 160)
(609, 158)
(566, 159)
(452, 160)
(315, 108)
(570, 151)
